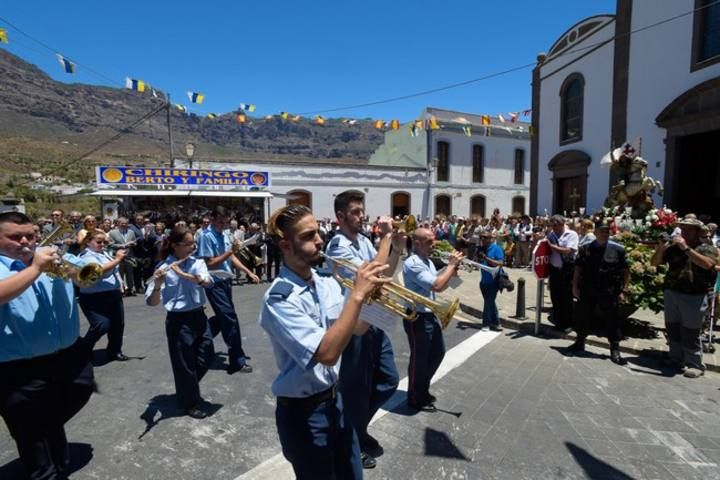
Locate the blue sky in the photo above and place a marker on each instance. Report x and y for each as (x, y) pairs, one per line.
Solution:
(301, 55)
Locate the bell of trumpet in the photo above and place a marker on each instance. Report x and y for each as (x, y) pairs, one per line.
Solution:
(408, 225)
(394, 297)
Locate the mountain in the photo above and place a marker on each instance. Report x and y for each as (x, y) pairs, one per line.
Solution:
(45, 124)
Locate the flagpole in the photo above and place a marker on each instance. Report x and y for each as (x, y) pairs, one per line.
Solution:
(170, 139)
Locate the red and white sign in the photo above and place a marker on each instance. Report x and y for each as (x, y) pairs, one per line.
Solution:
(541, 259)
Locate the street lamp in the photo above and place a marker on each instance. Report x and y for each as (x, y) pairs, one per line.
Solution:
(189, 152)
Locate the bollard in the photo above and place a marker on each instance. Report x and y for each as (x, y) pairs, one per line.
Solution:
(520, 300)
(539, 303)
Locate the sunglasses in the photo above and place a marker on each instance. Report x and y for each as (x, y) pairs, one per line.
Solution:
(102, 242)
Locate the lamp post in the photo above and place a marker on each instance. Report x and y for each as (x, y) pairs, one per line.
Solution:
(189, 152)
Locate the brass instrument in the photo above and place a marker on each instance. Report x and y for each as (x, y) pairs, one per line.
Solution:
(465, 264)
(87, 272)
(396, 298)
(408, 226)
(244, 254)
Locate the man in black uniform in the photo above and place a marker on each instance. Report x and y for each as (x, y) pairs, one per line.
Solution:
(599, 283)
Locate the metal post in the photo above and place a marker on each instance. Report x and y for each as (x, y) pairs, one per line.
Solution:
(170, 139)
(539, 303)
(520, 300)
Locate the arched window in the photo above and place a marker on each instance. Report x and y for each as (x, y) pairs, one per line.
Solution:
(518, 205)
(571, 108)
(400, 204)
(443, 158)
(443, 205)
(299, 197)
(477, 206)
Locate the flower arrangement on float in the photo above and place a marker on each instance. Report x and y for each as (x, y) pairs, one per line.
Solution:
(639, 236)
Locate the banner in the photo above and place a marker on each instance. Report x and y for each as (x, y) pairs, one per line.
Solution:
(180, 176)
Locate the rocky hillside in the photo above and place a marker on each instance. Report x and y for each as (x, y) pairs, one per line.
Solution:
(44, 123)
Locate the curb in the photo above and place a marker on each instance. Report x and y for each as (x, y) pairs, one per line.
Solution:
(528, 327)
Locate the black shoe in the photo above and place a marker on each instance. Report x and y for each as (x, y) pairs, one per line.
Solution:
(367, 461)
(245, 368)
(119, 357)
(432, 398)
(616, 358)
(428, 407)
(577, 347)
(196, 412)
(496, 328)
(371, 446)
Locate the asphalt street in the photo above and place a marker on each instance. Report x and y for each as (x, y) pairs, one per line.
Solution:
(516, 408)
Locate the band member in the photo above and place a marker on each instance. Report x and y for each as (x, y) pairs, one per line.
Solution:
(427, 347)
(122, 237)
(46, 376)
(564, 245)
(689, 277)
(600, 282)
(216, 249)
(309, 327)
(180, 282)
(492, 255)
(102, 302)
(368, 375)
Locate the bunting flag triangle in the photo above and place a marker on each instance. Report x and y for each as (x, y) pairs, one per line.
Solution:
(433, 123)
(134, 84)
(395, 124)
(514, 116)
(320, 120)
(488, 133)
(212, 116)
(379, 124)
(268, 118)
(154, 93)
(284, 115)
(296, 118)
(248, 107)
(67, 65)
(485, 119)
(526, 113)
(181, 107)
(242, 118)
(501, 118)
(196, 97)
(467, 130)
(3, 36)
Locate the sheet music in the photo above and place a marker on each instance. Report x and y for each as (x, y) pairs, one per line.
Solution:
(379, 317)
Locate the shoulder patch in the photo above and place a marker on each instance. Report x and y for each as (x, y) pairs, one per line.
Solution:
(281, 290)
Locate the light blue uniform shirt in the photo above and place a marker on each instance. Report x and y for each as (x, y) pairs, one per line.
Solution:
(359, 251)
(41, 320)
(179, 294)
(109, 281)
(296, 315)
(419, 276)
(211, 244)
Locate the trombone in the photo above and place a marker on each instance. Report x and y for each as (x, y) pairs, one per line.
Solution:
(466, 264)
(393, 297)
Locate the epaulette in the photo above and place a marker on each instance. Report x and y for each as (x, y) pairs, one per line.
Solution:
(616, 245)
(281, 290)
(324, 272)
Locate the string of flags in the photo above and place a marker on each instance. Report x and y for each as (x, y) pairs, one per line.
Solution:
(241, 117)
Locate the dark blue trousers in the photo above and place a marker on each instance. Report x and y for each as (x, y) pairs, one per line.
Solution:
(427, 350)
(317, 439)
(491, 316)
(226, 321)
(191, 351)
(368, 378)
(106, 314)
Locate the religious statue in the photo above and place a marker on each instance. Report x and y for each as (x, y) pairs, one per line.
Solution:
(634, 188)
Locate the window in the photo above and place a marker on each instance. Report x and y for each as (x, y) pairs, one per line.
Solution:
(518, 205)
(477, 206)
(299, 197)
(400, 204)
(571, 108)
(443, 157)
(519, 166)
(706, 34)
(443, 205)
(478, 162)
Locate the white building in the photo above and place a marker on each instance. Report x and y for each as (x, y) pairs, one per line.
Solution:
(630, 76)
(462, 168)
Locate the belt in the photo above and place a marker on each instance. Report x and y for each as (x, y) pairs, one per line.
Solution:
(310, 401)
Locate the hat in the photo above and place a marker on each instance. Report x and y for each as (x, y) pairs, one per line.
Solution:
(691, 221)
(601, 224)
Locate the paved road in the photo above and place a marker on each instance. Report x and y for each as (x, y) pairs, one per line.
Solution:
(527, 411)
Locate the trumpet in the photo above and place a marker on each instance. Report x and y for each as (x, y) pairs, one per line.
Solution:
(87, 272)
(244, 254)
(395, 298)
(408, 226)
(466, 264)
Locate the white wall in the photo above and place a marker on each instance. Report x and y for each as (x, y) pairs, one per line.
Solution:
(597, 69)
(659, 72)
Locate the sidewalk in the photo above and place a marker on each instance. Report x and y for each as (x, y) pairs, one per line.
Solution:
(644, 332)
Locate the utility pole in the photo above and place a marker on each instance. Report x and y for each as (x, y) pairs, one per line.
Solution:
(170, 139)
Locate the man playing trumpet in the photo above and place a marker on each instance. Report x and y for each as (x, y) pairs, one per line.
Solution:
(309, 327)
(427, 347)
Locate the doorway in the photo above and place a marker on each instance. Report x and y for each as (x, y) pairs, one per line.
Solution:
(698, 175)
